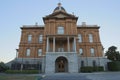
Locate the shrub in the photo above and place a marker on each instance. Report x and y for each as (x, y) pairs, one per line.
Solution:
(22, 72)
(92, 69)
(86, 69)
(98, 68)
(114, 66)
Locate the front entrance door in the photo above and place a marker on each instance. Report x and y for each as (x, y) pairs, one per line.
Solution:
(61, 64)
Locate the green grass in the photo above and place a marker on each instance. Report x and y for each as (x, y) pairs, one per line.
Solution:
(17, 77)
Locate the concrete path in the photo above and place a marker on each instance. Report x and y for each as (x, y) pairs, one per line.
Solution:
(74, 76)
(84, 76)
(65, 76)
(104, 76)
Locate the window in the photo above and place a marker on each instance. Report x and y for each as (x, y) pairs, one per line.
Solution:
(92, 51)
(79, 38)
(28, 52)
(81, 51)
(90, 38)
(60, 49)
(60, 30)
(94, 63)
(40, 38)
(39, 52)
(82, 63)
(29, 38)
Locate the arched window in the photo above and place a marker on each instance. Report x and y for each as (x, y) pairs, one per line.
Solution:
(82, 63)
(90, 38)
(28, 52)
(60, 30)
(79, 38)
(39, 52)
(29, 38)
(81, 51)
(92, 51)
(40, 38)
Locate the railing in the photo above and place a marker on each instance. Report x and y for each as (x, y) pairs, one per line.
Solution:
(61, 50)
(87, 26)
(60, 53)
(33, 25)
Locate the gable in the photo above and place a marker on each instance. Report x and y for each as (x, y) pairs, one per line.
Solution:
(60, 16)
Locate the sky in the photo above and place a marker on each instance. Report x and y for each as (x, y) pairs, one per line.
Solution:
(16, 13)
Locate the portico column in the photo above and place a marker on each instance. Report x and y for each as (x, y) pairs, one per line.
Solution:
(68, 44)
(53, 44)
(75, 43)
(47, 47)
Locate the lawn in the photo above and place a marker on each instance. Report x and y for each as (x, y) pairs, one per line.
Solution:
(18, 77)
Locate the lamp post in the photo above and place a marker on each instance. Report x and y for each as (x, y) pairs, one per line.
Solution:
(39, 66)
(21, 68)
(16, 59)
(16, 53)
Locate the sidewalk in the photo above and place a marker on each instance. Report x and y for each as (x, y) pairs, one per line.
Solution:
(84, 76)
(73, 76)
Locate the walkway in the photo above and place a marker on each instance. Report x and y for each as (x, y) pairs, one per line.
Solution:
(65, 76)
(84, 76)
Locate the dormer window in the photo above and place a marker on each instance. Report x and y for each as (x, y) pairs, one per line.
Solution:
(60, 30)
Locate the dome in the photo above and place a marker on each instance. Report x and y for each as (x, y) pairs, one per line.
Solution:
(59, 8)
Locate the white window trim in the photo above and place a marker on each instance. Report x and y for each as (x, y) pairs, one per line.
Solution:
(40, 38)
(80, 38)
(92, 51)
(90, 38)
(60, 30)
(29, 38)
(28, 52)
(39, 52)
(81, 51)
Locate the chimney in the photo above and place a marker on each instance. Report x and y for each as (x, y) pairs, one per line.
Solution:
(84, 24)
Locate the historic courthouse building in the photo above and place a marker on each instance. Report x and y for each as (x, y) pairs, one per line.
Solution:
(60, 45)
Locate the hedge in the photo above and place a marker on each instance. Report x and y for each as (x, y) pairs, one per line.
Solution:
(114, 66)
(86, 69)
(22, 72)
(99, 68)
(92, 69)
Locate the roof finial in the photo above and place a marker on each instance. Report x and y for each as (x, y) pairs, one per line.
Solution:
(59, 4)
(59, 8)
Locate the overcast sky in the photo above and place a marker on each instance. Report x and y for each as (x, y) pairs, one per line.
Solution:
(16, 13)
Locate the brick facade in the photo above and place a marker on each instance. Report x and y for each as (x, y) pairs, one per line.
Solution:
(61, 38)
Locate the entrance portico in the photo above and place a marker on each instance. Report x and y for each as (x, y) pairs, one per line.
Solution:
(53, 60)
(61, 44)
(61, 54)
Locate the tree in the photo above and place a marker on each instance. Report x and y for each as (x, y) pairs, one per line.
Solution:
(3, 67)
(112, 54)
